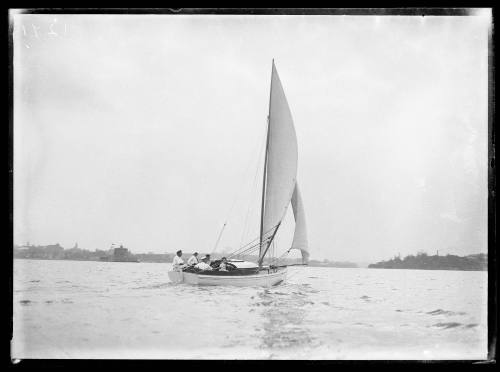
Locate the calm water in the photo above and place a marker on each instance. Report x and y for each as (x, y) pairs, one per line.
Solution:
(72, 309)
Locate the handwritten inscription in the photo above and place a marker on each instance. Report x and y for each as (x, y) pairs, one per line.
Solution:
(32, 32)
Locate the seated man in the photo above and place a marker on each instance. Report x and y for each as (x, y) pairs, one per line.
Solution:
(209, 261)
(193, 260)
(203, 265)
(223, 264)
(178, 263)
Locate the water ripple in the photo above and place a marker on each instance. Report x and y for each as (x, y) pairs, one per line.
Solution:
(445, 312)
(447, 325)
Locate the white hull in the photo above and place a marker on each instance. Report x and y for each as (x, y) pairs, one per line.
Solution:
(263, 279)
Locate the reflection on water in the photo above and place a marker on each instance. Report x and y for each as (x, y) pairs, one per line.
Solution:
(283, 314)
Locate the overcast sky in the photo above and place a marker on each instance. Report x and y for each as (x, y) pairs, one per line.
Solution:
(147, 130)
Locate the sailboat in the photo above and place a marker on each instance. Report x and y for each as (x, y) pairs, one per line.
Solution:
(279, 189)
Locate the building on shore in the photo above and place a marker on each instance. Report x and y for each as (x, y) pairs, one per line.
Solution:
(120, 254)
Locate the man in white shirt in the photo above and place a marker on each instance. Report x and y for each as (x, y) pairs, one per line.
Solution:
(193, 260)
(203, 265)
(178, 262)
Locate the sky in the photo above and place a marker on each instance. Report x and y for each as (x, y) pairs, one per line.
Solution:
(148, 131)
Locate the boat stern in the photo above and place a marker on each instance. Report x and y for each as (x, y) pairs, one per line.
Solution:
(176, 276)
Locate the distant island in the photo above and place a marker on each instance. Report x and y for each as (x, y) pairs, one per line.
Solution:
(120, 254)
(422, 261)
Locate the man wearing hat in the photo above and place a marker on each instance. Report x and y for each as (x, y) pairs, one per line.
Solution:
(193, 260)
(203, 265)
(178, 262)
(209, 261)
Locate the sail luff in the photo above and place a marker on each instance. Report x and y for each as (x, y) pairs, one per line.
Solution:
(281, 166)
(265, 170)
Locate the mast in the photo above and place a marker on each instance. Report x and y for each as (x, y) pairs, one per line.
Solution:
(265, 172)
(263, 191)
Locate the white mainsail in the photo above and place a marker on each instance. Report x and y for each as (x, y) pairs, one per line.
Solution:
(281, 168)
(300, 234)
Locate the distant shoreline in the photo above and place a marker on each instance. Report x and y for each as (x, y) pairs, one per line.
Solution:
(422, 261)
(57, 252)
(425, 269)
(162, 262)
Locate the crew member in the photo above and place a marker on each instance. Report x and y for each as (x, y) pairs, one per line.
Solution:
(178, 263)
(222, 265)
(203, 265)
(209, 261)
(193, 260)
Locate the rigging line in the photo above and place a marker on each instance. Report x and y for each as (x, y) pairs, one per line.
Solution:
(218, 239)
(262, 255)
(238, 194)
(247, 252)
(264, 172)
(245, 246)
(241, 251)
(265, 240)
(249, 244)
(284, 254)
(252, 191)
(277, 259)
(266, 233)
(246, 227)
